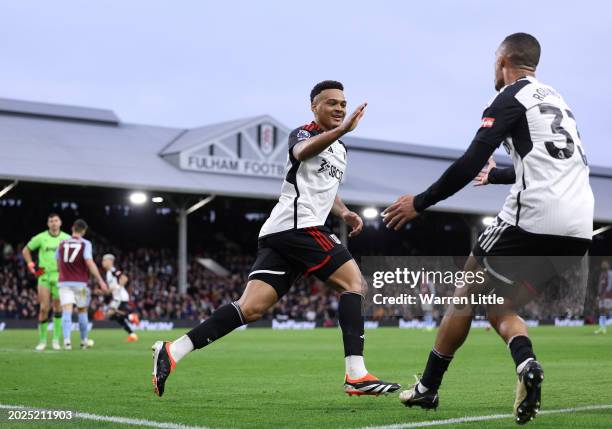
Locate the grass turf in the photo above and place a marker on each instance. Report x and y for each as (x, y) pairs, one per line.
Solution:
(259, 378)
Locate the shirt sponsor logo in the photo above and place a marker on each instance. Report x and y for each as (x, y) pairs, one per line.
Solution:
(330, 169)
(487, 122)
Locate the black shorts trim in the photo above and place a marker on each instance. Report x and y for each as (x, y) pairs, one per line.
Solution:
(513, 255)
(285, 256)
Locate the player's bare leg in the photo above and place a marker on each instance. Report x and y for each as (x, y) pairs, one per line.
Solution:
(67, 325)
(451, 335)
(513, 330)
(44, 300)
(57, 323)
(256, 299)
(357, 381)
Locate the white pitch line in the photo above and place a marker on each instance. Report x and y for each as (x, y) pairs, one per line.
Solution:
(112, 419)
(164, 425)
(468, 419)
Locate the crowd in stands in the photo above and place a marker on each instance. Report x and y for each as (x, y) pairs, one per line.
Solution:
(154, 292)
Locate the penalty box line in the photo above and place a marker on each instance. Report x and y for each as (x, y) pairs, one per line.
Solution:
(469, 419)
(101, 418)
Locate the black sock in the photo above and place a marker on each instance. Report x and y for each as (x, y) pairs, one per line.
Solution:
(351, 322)
(437, 364)
(521, 349)
(123, 321)
(223, 321)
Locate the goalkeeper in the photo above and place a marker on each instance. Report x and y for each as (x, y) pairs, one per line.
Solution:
(46, 243)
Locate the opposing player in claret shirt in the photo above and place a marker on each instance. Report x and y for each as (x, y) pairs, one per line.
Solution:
(294, 242)
(75, 262)
(549, 213)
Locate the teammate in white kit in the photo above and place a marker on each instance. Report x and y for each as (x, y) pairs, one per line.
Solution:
(294, 242)
(549, 212)
(119, 307)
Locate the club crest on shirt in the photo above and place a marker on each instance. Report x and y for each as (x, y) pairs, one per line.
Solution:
(303, 135)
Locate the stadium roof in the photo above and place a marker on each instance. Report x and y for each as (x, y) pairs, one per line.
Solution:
(82, 146)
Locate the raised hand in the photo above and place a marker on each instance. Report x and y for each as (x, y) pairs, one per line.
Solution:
(351, 122)
(353, 220)
(400, 212)
(482, 178)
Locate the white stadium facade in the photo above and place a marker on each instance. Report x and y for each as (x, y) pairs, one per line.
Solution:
(68, 145)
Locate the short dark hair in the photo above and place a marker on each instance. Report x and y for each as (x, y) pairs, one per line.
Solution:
(322, 86)
(523, 50)
(80, 225)
(52, 214)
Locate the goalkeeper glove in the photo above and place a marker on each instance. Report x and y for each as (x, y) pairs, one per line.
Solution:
(37, 272)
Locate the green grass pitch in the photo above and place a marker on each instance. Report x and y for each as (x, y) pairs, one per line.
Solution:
(259, 378)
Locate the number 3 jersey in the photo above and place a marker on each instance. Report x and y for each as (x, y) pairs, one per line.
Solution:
(551, 194)
(71, 256)
(310, 186)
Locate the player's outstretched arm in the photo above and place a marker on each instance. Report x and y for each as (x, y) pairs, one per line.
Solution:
(93, 269)
(313, 146)
(457, 176)
(497, 120)
(351, 218)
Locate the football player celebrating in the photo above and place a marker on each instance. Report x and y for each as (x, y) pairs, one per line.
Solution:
(46, 244)
(294, 242)
(549, 212)
(119, 311)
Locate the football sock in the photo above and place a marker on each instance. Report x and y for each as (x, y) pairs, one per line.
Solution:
(420, 388)
(602, 321)
(83, 321)
(57, 326)
(437, 364)
(223, 321)
(521, 350)
(180, 348)
(355, 367)
(66, 324)
(123, 321)
(126, 325)
(351, 322)
(42, 331)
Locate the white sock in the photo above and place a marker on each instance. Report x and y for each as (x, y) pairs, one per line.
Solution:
(421, 388)
(355, 367)
(180, 348)
(521, 366)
